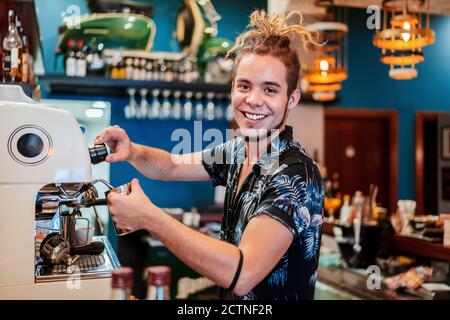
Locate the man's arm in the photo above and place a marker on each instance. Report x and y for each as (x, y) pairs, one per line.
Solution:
(162, 165)
(263, 243)
(151, 162)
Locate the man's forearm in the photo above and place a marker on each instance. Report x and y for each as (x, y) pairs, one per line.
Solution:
(162, 165)
(151, 162)
(215, 259)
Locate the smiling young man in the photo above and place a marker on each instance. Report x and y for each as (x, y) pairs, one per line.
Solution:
(271, 224)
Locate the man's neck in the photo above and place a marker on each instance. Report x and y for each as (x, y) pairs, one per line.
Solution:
(255, 148)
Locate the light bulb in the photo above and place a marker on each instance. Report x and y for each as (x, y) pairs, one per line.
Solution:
(406, 35)
(324, 65)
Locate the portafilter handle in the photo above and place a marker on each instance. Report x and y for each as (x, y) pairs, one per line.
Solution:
(98, 153)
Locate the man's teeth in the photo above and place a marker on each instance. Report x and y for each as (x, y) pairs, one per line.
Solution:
(253, 116)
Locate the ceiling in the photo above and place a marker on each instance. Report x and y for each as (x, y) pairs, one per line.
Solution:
(440, 7)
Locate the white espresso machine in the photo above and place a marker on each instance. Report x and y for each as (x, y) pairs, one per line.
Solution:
(46, 171)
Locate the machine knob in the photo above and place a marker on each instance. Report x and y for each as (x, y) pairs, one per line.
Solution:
(98, 153)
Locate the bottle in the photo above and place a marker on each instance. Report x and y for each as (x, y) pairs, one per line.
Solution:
(158, 281)
(23, 52)
(12, 44)
(346, 211)
(121, 283)
(25, 61)
(71, 61)
(336, 186)
(81, 59)
(357, 204)
(1, 62)
(129, 70)
(136, 75)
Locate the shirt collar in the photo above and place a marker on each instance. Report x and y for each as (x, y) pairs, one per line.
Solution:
(274, 149)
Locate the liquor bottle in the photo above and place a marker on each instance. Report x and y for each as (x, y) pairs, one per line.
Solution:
(25, 61)
(136, 69)
(12, 44)
(71, 60)
(81, 59)
(158, 281)
(1, 63)
(121, 283)
(336, 186)
(129, 70)
(23, 58)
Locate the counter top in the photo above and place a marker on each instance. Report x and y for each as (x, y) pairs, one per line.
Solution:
(408, 245)
(354, 282)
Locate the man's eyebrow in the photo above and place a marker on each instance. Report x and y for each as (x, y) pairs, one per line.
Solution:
(242, 80)
(271, 83)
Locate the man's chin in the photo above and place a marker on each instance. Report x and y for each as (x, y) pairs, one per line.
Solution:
(253, 133)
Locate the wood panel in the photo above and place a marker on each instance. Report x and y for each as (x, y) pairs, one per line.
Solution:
(426, 163)
(373, 136)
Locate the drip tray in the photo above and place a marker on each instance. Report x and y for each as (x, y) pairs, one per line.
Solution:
(86, 266)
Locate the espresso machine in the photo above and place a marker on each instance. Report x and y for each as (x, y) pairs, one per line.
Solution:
(46, 176)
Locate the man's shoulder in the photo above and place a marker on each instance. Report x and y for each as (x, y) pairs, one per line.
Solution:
(295, 158)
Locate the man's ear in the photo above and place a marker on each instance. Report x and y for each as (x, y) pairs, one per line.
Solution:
(294, 98)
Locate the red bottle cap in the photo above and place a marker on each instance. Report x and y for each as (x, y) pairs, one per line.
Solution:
(122, 278)
(71, 43)
(158, 275)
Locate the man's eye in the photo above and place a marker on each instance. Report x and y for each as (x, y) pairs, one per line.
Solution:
(271, 90)
(243, 86)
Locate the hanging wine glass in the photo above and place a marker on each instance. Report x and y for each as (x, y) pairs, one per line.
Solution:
(130, 108)
(143, 108)
(209, 110)
(198, 106)
(165, 110)
(155, 106)
(218, 110)
(229, 115)
(176, 108)
(187, 107)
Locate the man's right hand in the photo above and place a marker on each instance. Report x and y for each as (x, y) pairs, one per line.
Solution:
(117, 140)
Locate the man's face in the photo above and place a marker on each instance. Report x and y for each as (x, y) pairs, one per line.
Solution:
(259, 94)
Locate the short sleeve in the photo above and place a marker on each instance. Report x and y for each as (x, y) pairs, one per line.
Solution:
(216, 163)
(294, 197)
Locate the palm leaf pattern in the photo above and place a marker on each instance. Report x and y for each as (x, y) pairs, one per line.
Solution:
(249, 296)
(312, 237)
(314, 196)
(292, 194)
(237, 233)
(313, 279)
(278, 277)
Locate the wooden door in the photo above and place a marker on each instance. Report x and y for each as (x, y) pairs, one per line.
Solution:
(361, 146)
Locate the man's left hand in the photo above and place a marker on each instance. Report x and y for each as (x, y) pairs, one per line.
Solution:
(130, 212)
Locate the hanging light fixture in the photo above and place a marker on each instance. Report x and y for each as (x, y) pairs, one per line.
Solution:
(326, 69)
(403, 36)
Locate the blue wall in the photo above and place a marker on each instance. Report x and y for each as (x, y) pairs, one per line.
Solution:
(369, 86)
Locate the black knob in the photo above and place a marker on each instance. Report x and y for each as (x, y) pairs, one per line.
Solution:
(98, 153)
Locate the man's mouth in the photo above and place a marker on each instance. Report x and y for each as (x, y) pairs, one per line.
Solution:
(255, 116)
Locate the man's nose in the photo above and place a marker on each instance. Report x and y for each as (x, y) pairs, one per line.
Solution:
(254, 98)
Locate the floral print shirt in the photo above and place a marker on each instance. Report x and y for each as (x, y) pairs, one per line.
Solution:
(284, 184)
